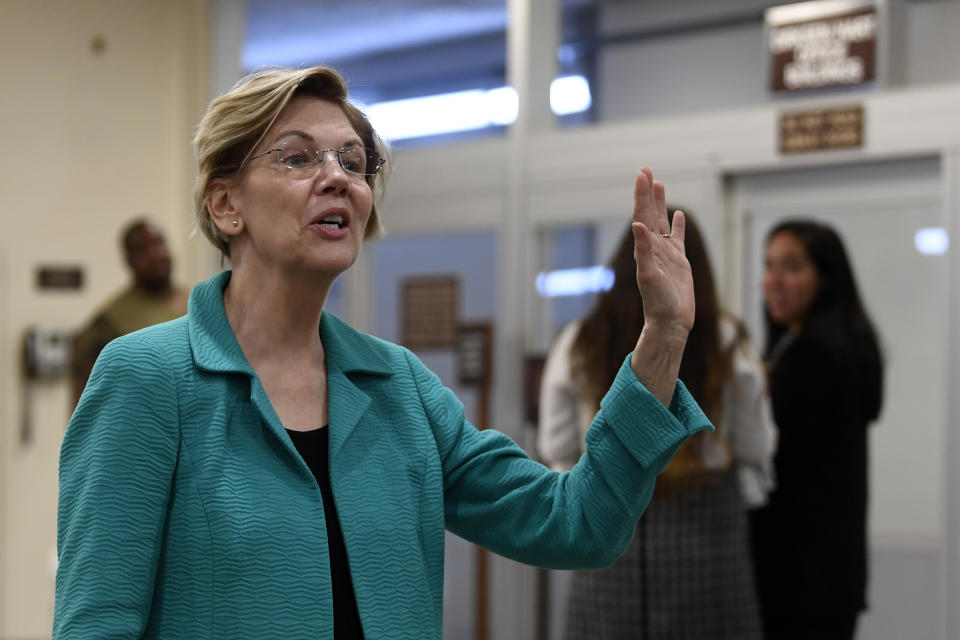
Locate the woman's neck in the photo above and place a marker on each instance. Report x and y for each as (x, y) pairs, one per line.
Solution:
(276, 315)
(794, 328)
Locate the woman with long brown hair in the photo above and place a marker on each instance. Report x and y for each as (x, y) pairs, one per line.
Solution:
(687, 572)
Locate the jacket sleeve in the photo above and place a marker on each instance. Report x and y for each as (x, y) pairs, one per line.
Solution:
(497, 497)
(116, 467)
(559, 442)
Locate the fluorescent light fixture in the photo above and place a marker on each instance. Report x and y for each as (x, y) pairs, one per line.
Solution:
(574, 282)
(931, 241)
(443, 113)
(469, 110)
(570, 94)
(503, 105)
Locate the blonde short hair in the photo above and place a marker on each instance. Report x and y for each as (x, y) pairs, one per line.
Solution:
(236, 122)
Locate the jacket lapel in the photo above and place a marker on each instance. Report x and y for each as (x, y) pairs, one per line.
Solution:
(216, 350)
(347, 403)
(350, 356)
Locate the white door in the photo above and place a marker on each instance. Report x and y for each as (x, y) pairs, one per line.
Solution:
(878, 208)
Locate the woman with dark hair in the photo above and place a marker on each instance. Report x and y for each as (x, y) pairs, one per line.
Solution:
(687, 572)
(826, 373)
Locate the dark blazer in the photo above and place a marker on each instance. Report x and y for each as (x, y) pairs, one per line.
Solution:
(810, 546)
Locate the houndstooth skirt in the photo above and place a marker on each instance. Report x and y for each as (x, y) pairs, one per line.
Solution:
(687, 575)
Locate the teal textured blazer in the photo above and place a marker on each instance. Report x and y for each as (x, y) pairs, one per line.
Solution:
(186, 512)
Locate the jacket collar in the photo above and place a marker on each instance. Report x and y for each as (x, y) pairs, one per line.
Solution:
(216, 349)
(212, 342)
(347, 351)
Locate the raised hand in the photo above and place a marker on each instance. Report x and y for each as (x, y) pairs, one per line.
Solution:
(663, 272)
(666, 286)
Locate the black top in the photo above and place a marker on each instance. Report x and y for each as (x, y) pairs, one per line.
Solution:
(810, 540)
(313, 447)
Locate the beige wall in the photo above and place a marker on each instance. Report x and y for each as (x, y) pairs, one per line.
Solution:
(89, 140)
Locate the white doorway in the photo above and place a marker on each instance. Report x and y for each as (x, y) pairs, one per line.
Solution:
(877, 208)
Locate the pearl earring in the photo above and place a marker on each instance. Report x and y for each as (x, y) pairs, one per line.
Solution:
(236, 222)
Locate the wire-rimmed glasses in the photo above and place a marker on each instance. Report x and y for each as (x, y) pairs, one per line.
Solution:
(305, 159)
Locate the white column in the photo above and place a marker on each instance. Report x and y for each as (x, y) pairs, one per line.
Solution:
(533, 32)
(227, 33)
(533, 36)
(951, 542)
(358, 288)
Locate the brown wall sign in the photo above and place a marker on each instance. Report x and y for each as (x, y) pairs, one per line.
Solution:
(818, 129)
(814, 45)
(429, 312)
(475, 354)
(59, 277)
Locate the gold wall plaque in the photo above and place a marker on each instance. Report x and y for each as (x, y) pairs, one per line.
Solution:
(429, 312)
(820, 129)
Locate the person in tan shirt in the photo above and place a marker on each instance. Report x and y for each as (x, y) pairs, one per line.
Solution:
(150, 299)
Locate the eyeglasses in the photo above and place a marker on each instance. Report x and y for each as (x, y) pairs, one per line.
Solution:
(304, 160)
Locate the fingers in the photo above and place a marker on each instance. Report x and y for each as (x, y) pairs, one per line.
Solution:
(652, 250)
(643, 239)
(679, 230)
(649, 202)
(660, 200)
(642, 193)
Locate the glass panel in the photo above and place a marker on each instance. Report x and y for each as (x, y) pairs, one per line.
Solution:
(577, 247)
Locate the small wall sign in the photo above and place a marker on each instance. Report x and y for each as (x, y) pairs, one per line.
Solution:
(59, 277)
(821, 129)
(429, 312)
(474, 353)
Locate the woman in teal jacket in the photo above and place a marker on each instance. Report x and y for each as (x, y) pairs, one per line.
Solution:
(259, 469)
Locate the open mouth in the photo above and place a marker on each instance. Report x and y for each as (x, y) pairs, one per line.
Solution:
(332, 222)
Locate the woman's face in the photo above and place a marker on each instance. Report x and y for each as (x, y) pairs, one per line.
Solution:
(309, 221)
(790, 280)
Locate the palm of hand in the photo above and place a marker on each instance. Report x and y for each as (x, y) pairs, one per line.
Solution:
(663, 272)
